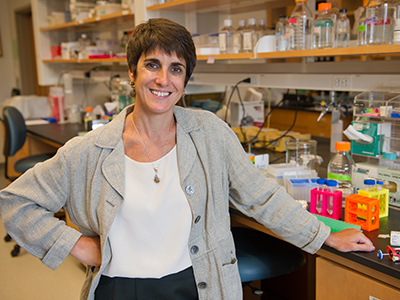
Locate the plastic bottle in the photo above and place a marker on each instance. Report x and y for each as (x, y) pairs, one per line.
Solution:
(282, 34)
(369, 185)
(300, 26)
(342, 30)
(238, 36)
(225, 38)
(340, 168)
(321, 187)
(249, 36)
(88, 118)
(331, 187)
(324, 27)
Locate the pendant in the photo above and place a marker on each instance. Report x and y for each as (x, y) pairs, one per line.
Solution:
(156, 178)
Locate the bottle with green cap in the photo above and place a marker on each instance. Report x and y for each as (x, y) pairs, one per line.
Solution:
(340, 168)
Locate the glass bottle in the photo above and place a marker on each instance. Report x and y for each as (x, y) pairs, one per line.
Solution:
(84, 41)
(300, 26)
(249, 36)
(282, 34)
(362, 29)
(225, 38)
(340, 168)
(342, 30)
(238, 36)
(379, 22)
(261, 29)
(396, 30)
(324, 27)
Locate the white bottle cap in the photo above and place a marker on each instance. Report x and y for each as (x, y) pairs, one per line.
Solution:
(251, 21)
(227, 23)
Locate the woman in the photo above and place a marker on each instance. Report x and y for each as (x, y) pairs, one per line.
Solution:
(150, 191)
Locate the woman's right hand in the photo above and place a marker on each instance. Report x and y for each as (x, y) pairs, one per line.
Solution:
(88, 251)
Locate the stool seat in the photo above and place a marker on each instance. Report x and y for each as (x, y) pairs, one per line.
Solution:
(261, 256)
(25, 164)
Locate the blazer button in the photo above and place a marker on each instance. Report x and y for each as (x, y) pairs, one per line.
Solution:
(197, 219)
(202, 285)
(194, 249)
(190, 190)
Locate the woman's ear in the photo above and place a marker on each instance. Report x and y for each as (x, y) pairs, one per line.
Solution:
(131, 77)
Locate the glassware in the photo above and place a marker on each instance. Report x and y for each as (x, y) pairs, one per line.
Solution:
(226, 38)
(324, 27)
(300, 26)
(342, 30)
(282, 34)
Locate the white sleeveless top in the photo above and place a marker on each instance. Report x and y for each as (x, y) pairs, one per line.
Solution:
(149, 236)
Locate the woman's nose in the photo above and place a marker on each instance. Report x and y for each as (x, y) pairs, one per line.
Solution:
(162, 77)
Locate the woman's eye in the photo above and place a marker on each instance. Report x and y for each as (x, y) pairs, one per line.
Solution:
(176, 69)
(151, 65)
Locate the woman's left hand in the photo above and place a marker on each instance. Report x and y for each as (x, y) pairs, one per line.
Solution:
(349, 240)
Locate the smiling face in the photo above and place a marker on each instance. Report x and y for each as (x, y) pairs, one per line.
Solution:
(159, 81)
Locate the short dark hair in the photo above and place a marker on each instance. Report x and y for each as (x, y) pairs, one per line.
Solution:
(165, 35)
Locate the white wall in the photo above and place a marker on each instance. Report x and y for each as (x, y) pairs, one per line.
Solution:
(7, 74)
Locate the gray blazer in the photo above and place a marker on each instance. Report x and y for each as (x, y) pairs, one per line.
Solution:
(86, 176)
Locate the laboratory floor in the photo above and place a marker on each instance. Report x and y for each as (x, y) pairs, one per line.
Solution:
(25, 277)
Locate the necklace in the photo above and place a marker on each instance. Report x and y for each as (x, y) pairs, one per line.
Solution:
(156, 177)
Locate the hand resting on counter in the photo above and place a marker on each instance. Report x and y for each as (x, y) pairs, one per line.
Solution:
(349, 240)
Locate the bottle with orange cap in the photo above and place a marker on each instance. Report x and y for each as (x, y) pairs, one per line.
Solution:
(324, 27)
(340, 168)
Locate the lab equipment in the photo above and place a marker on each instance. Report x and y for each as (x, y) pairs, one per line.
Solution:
(331, 205)
(340, 168)
(342, 36)
(300, 26)
(324, 27)
(373, 190)
(363, 211)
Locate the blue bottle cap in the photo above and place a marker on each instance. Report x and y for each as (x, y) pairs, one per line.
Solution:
(331, 183)
(389, 155)
(380, 182)
(369, 182)
(321, 181)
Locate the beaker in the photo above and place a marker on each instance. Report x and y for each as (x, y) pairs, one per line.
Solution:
(302, 153)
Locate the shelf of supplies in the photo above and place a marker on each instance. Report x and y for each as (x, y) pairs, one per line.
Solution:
(96, 60)
(119, 18)
(349, 51)
(231, 6)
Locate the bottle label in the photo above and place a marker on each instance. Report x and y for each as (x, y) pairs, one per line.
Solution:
(338, 177)
(247, 41)
(222, 41)
(361, 28)
(317, 30)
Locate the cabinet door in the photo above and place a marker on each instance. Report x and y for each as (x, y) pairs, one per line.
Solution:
(334, 281)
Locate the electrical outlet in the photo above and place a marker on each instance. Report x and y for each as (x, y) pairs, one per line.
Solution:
(341, 82)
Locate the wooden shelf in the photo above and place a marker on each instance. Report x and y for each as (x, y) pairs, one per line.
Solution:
(97, 60)
(123, 17)
(226, 6)
(352, 51)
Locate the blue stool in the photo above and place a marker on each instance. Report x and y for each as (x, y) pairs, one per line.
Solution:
(261, 256)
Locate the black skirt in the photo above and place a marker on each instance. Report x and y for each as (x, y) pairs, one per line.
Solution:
(179, 286)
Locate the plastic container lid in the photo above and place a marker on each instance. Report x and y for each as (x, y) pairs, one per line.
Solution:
(301, 0)
(321, 181)
(342, 146)
(331, 183)
(227, 22)
(389, 155)
(325, 6)
(343, 10)
(380, 182)
(369, 182)
(89, 108)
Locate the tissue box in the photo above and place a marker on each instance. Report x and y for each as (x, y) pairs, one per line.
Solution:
(375, 130)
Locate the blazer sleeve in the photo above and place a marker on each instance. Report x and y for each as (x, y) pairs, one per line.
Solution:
(263, 199)
(27, 208)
